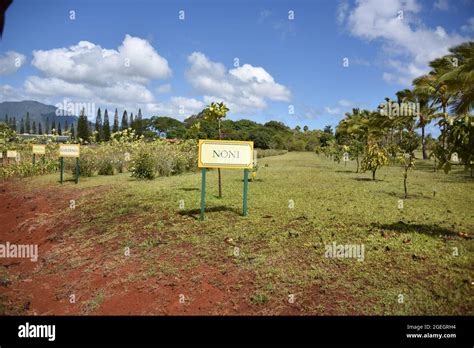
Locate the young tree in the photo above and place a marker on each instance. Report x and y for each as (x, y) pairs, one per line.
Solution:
(375, 158)
(124, 120)
(215, 113)
(408, 145)
(115, 127)
(106, 127)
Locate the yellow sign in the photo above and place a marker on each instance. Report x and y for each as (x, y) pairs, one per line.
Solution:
(39, 149)
(69, 150)
(11, 154)
(225, 154)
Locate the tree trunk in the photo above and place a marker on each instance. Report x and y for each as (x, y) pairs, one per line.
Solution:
(357, 160)
(405, 184)
(373, 174)
(423, 145)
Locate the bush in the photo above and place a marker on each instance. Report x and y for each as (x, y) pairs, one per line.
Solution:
(106, 167)
(144, 166)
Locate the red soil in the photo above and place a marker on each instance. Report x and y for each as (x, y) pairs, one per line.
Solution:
(101, 282)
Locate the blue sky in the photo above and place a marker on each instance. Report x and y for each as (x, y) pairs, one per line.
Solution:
(140, 54)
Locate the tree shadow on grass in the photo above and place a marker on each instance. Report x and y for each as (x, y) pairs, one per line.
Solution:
(428, 229)
(195, 213)
(367, 179)
(189, 189)
(345, 171)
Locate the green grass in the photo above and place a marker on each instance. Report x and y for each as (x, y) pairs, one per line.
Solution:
(408, 251)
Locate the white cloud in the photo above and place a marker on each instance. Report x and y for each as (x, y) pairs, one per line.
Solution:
(404, 37)
(134, 61)
(10, 62)
(244, 88)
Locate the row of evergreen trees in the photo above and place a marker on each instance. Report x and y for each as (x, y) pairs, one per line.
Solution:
(85, 129)
(102, 128)
(28, 127)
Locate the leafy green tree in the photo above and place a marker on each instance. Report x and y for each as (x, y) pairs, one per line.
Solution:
(408, 145)
(375, 158)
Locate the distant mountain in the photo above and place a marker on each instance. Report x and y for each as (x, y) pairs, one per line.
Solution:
(39, 112)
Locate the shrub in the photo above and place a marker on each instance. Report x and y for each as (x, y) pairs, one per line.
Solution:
(106, 167)
(144, 166)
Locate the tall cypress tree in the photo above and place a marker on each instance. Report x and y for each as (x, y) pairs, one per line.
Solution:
(124, 120)
(14, 124)
(106, 126)
(27, 124)
(115, 127)
(83, 127)
(40, 129)
(6, 119)
(46, 129)
(34, 128)
(60, 132)
(22, 126)
(66, 127)
(73, 135)
(53, 128)
(98, 127)
(139, 123)
(132, 121)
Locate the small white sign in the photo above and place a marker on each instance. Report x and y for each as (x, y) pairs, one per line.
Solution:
(39, 149)
(69, 150)
(11, 154)
(225, 154)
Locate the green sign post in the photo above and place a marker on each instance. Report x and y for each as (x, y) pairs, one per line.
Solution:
(68, 150)
(224, 154)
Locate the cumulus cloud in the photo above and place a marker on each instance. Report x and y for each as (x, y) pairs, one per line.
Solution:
(89, 72)
(243, 88)
(10, 62)
(396, 24)
(134, 61)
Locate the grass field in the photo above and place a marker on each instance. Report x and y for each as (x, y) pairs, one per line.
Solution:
(270, 262)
